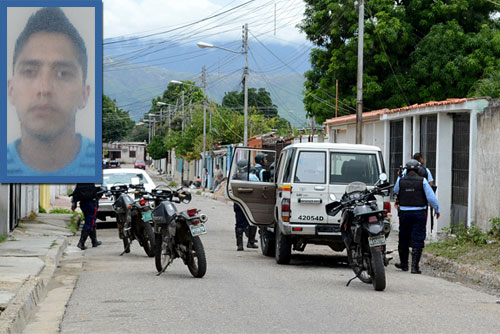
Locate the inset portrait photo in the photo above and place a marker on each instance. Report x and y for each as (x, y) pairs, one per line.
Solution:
(50, 112)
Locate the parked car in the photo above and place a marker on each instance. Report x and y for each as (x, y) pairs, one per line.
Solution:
(121, 176)
(290, 207)
(140, 164)
(114, 164)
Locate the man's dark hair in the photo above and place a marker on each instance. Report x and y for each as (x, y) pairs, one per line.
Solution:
(418, 156)
(53, 20)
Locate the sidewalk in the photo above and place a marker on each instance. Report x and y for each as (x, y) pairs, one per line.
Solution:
(28, 260)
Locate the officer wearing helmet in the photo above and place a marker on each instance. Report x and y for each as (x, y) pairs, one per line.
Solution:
(260, 162)
(414, 192)
(241, 225)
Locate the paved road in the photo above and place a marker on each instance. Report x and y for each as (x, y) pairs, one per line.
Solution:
(249, 293)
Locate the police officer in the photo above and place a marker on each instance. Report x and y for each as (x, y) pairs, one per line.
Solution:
(260, 162)
(422, 171)
(241, 225)
(414, 192)
(88, 195)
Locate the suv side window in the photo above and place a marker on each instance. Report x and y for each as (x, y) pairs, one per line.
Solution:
(349, 167)
(311, 167)
(287, 172)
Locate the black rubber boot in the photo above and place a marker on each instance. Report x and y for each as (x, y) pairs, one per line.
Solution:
(126, 245)
(93, 237)
(403, 259)
(416, 253)
(251, 232)
(239, 238)
(83, 238)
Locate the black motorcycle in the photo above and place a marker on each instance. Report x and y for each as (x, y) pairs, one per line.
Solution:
(364, 230)
(133, 217)
(177, 234)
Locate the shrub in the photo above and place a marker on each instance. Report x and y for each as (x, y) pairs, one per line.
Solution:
(58, 210)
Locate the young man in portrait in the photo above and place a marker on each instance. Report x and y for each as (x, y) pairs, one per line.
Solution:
(47, 88)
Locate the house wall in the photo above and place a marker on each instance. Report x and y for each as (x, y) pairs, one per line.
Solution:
(487, 199)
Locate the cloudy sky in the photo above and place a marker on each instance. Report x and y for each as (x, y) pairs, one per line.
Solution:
(127, 18)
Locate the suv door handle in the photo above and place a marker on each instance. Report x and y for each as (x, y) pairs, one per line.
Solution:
(319, 188)
(245, 190)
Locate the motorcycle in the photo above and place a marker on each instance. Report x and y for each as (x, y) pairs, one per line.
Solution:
(177, 234)
(133, 217)
(364, 229)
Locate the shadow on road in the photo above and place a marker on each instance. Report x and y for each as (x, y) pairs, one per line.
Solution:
(319, 260)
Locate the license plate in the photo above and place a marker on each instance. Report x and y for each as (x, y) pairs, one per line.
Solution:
(147, 216)
(197, 229)
(379, 240)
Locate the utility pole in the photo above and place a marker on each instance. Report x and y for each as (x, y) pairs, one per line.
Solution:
(245, 106)
(183, 115)
(359, 103)
(204, 80)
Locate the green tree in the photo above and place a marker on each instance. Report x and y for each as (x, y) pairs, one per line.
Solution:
(259, 99)
(157, 148)
(116, 123)
(414, 51)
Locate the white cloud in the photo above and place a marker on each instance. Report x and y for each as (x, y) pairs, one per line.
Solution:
(137, 17)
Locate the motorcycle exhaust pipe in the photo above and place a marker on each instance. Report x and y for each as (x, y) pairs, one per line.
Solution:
(203, 217)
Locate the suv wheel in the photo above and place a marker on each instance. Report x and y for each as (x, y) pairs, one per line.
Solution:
(283, 247)
(267, 242)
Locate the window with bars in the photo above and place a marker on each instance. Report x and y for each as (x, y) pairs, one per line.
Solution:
(428, 136)
(460, 168)
(396, 149)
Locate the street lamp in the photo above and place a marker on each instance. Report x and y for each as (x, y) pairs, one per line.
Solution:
(203, 45)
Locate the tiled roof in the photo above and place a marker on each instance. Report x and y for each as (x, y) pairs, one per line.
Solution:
(369, 115)
(433, 104)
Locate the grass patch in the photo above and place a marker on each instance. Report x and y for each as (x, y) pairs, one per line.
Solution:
(59, 210)
(54, 244)
(41, 209)
(3, 237)
(73, 226)
(173, 184)
(471, 245)
(198, 192)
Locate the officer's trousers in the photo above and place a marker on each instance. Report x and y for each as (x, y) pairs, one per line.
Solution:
(412, 228)
(89, 209)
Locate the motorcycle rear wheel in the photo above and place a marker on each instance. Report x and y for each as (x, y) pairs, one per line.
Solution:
(378, 271)
(197, 264)
(148, 239)
(161, 255)
(360, 273)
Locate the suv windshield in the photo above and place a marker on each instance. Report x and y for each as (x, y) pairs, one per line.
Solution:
(111, 179)
(350, 167)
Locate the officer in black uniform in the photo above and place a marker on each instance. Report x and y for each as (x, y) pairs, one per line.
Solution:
(414, 192)
(242, 225)
(88, 195)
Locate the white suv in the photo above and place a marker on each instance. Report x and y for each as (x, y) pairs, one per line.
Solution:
(288, 202)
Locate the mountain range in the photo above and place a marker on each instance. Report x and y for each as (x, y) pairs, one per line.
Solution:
(134, 85)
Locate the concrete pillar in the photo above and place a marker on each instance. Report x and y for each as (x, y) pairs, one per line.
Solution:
(4, 208)
(387, 146)
(416, 134)
(444, 146)
(407, 138)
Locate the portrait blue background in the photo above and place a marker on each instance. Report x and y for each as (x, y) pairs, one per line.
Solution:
(97, 177)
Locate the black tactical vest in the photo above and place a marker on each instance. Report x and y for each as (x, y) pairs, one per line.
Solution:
(411, 191)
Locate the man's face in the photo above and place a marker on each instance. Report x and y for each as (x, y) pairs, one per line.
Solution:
(47, 88)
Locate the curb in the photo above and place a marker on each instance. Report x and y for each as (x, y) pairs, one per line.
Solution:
(463, 272)
(15, 317)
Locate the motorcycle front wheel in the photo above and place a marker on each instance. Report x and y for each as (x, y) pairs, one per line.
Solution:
(197, 262)
(378, 271)
(353, 256)
(162, 255)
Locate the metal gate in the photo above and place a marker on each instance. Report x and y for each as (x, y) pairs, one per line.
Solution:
(428, 136)
(460, 169)
(396, 150)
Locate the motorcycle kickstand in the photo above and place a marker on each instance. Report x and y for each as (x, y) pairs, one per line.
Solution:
(126, 249)
(165, 268)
